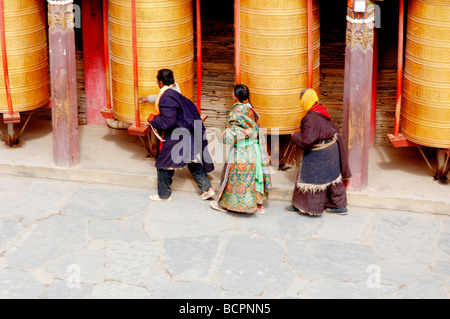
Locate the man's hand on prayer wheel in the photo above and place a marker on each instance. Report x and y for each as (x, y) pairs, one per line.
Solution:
(142, 99)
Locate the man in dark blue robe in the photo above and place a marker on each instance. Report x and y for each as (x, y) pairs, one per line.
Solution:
(185, 144)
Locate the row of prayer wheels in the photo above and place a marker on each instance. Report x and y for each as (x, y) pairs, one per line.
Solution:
(274, 56)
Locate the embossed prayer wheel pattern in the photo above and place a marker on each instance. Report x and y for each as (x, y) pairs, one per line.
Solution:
(27, 54)
(425, 114)
(165, 40)
(274, 58)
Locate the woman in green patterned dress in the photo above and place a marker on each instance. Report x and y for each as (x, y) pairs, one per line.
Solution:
(246, 179)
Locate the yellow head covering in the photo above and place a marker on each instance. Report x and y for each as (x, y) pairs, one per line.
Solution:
(308, 99)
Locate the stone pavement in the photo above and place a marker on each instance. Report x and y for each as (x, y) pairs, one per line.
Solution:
(65, 239)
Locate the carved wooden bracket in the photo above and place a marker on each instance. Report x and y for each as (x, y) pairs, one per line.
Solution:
(360, 27)
(60, 13)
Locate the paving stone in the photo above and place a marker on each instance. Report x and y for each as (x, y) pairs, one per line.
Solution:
(106, 203)
(158, 278)
(406, 237)
(281, 280)
(277, 223)
(444, 238)
(296, 285)
(9, 186)
(47, 240)
(236, 295)
(195, 290)
(344, 290)
(84, 267)
(427, 287)
(192, 259)
(117, 290)
(136, 221)
(131, 262)
(249, 263)
(13, 281)
(352, 228)
(9, 229)
(401, 273)
(112, 229)
(60, 290)
(322, 259)
(37, 200)
(442, 269)
(442, 256)
(185, 218)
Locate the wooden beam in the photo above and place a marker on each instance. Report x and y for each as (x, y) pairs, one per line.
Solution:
(94, 61)
(63, 73)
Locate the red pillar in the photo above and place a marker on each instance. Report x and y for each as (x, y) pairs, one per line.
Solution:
(63, 75)
(358, 93)
(94, 61)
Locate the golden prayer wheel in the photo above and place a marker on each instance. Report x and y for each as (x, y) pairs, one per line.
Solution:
(425, 113)
(165, 37)
(274, 58)
(27, 55)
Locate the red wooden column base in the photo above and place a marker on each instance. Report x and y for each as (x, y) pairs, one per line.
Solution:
(142, 130)
(107, 113)
(11, 118)
(400, 141)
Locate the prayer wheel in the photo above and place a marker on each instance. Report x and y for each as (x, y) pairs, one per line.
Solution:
(27, 56)
(165, 37)
(274, 58)
(425, 113)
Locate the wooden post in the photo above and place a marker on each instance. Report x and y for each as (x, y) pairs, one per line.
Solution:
(93, 58)
(63, 74)
(358, 92)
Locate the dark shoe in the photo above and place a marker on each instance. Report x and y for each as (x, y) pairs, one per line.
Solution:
(291, 209)
(337, 211)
